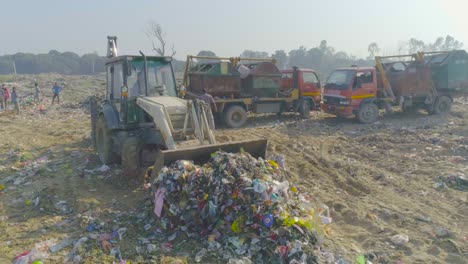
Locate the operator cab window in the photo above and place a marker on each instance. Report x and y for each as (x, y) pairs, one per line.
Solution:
(365, 77)
(117, 77)
(310, 77)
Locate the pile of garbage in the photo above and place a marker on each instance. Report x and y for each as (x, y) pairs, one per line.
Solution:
(240, 208)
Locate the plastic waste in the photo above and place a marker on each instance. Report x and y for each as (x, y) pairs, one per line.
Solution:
(236, 196)
(103, 168)
(361, 260)
(258, 186)
(200, 255)
(63, 244)
(267, 220)
(399, 240)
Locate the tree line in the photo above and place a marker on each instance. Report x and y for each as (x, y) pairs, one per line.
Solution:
(323, 58)
(54, 61)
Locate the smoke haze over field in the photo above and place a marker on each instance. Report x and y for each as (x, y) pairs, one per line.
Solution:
(228, 27)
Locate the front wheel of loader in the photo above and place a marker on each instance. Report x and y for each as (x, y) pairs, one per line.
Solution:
(367, 113)
(443, 105)
(235, 116)
(131, 159)
(104, 142)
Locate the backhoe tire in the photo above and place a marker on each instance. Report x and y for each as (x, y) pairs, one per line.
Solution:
(443, 105)
(235, 116)
(104, 142)
(304, 109)
(130, 158)
(367, 113)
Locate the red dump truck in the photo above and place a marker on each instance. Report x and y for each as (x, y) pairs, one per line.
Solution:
(242, 85)
(427, 80)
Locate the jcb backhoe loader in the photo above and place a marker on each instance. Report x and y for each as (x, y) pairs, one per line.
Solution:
(142, 122)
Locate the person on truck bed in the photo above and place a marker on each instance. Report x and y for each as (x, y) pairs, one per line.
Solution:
(208, 99)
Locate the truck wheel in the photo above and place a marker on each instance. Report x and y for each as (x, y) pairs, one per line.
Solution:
(131, 161)
(104, 142)
(304, 109)
(443, 105)
(367, 113)
(235, 116)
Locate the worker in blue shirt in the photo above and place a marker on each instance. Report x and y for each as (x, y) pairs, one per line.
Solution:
(14, 100)
(56, 91)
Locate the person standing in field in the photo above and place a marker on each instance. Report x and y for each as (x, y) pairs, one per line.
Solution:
(37, 93)
(56, 91)
(208, 99)
(14, 100)
(2, 98)
(6, 96)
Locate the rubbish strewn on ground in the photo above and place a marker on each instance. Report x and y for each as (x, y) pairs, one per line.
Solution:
(238, 206)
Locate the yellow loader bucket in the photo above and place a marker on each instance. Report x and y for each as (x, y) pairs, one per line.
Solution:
(201, 154)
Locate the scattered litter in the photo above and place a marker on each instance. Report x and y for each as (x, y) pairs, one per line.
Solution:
(63, 244)
(399, 240)
(103, 168)
(173, 260)
(233, 199)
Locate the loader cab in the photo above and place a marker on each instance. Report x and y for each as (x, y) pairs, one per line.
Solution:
(127, 80)
(346, 88)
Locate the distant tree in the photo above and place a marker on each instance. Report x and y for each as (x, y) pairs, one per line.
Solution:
(206, 53)
(451, 43)
(157, 36)
(415, 45)
(373, 49)
(341, 55)
(281, 58)
(298, 57)
(325, 49)
(254, 54)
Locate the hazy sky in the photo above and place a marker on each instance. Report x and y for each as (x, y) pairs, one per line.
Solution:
(227, 27)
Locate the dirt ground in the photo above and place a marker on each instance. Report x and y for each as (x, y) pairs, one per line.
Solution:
(404, 175)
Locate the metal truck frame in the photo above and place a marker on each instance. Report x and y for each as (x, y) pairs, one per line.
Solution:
(233, 111)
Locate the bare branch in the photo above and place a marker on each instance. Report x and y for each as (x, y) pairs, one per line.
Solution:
(173, 51)
(156, 34)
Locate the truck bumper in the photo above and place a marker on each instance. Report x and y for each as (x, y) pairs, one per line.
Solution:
(338, 110)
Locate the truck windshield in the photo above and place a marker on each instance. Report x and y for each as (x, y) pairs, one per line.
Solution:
(160, 79)
(340, 79)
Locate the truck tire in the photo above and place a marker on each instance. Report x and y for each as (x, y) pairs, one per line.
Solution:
(367, 113)
(443, 105)
(304, 109)
(104, 142)
(235, 116)
(131, 160)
